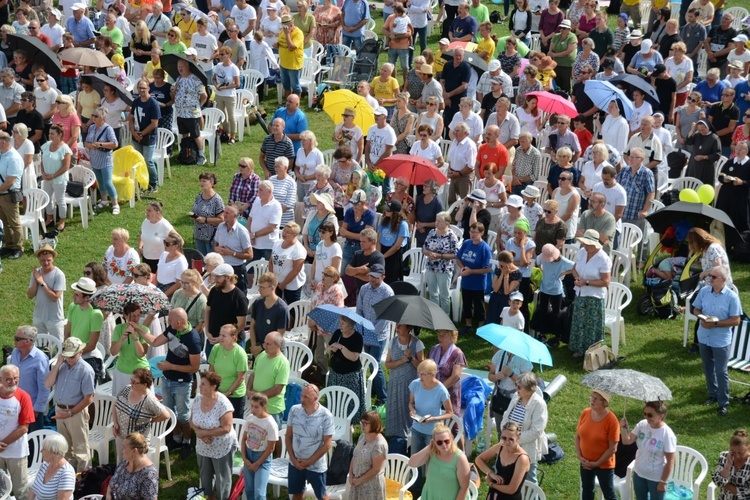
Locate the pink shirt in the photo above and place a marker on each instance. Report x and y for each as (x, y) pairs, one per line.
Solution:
(67, 123)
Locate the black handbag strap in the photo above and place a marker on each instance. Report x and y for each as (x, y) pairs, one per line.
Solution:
(192, 303)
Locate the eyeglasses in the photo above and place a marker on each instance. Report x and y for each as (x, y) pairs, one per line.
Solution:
(25, 100)
(328, 275)
(87, 273)
(167, 243)
(19, 339)
(93, 115)
(727, 95)
(547, 211)
(40, 80)
(648, 414)
(565, 178)
(135, 382)
(506, 438)
(714, 277)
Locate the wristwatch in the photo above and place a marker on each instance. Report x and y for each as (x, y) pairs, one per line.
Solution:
(716, 323)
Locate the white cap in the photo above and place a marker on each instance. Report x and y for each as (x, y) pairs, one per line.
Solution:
(191, 52)
(78, 6)
(56, 13)
(380, 110)
(646, 45)
(494, 65)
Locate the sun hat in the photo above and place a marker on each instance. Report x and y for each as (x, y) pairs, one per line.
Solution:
(325, 199)
(426, 69)
(565, 24)
(71, 347)
(84, 285)
(46, 248)
(604, 395)
(514, 201)
(547, 63)
(550, 253)
(286, 19)
(531, 191)
(223, 270)
(590, 237)
(478, 195)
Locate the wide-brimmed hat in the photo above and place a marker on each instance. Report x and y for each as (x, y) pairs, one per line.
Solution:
(565, 24)
(325, 199)
(604, 395)
(286, 19)
(514, 201)
(547, 63)
(635, 35)
(426, 69)
(84, 285)
(72, 346)
(550, 253)
(46, 248)
(531, 192)
(478, 195)
(590, 237)
(735, 65)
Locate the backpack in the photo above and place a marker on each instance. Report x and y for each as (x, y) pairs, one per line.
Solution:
(340, 462)
(664, 300)
(93, 481)
(292, 396)
(495, 17)
(188, 151)
(554, 455)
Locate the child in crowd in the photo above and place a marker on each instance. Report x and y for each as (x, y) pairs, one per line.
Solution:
(584, 135)
(532, 210)
(621, 33)
(511, 315)
(505, 281)
(547, 317)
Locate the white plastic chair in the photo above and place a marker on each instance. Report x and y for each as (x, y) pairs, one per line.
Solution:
(397, 469)
(254, 270)
(164, 139)
(623, 485)
(101, 433)
(711, 493)
(645, 9)
(546, 165)
(532, 491)
(159, 433)
(213, 117)
(252, 80)
(370, 35)
(456, 300)
(299, 355)
(244, 98)
(308, 79)
(238, 425)
(338, 400)
(620, 268)
(684, 472)
(473, 492)
(299, 330)
(368, 364)
(702, 63)
(630, 239)
(618, 298)
(570, 250)
(685, 183)
(492, 240)
(88, 178)
(50, 342)
(36, 201)
(739, 14)
(318, 51)
(130, 68)
(35, 440)
(417, 269)
(92, 497)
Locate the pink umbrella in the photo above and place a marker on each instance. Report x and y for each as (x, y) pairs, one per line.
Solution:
(553, 103)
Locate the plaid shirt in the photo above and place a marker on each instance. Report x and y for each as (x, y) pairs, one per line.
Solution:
(244, 190)
(527, 164)
(637, 187)
(368, 297)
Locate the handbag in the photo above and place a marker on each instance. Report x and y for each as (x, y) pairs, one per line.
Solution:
(74, 189)
(16, 196)
(313, 374)
(597, 356)
(500, 402)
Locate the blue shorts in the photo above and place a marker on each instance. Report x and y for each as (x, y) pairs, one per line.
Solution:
(297, 479)
(396, 54)
(290, 80)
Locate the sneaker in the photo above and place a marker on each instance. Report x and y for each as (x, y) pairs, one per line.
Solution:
(15, 254)
(116, 210)
(201, 160)
(152, 189)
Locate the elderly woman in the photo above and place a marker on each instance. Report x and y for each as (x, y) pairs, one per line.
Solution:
(211, 419)
(564, 164)
(591, 174)
(563, 51)
(528, 410)
(210, 262)
(505, 481)
(208, 213)
(136, 407)
(56, 478)
(154, 229)
(129, 347)
(569, 202)
(284, 189)
(287, 262)
(244, 188)
(706, 151)
(432, 118)
(172, 263)
(428, 207)
(405, 353)
(473, 260)
(450, 361)
(328, 23)
(100, 142)
(345, 347)
(730, 474)
(686, 116)
(597, 435)
(120, 258)
(402, 122)
(734, 180)
(448, 465)
(190, 298)
(356, 218)
(321, 186)
(551, 228)
(385, 88)
(326, 291)
(311, 236)
(56, 161)
(592, 274)
(229, 361)
(367, 468)
(440, 248)
(393, 236)
(307, 160)
(136, 477)
(401, 194)
(25, 148)
(657, 446)
(587, 57)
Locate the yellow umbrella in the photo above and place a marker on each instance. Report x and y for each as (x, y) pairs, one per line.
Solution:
(336, 101)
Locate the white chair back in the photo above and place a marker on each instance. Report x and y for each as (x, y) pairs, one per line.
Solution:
(298, 311)
(299, 355)
(369, 364)
(690, 469)
(343, 404)
(546, 165)
(532, 491)
(397, 469)
(739, 14)
(52, 343)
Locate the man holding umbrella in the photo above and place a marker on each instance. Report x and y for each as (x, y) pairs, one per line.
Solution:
(718, 308)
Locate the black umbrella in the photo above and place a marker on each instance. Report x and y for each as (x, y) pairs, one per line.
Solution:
(37, 52)
(415, 311)
(98, 81)
(699, 214)
(638, 83)
(169, 65)
(471, 58)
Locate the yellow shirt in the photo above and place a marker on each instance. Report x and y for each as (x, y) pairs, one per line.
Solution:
(660, 4)
(631, 2)
(385, 90)
(89, 101)
(188, 26)
(292, 59)
(439, 63)
(488, 46)
(148, 72)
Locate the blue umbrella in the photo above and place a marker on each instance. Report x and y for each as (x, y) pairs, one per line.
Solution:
(526, 347)
(327, 317)
(495, 334)
(602, 93)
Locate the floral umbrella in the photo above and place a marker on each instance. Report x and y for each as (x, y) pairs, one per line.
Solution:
(114, 297)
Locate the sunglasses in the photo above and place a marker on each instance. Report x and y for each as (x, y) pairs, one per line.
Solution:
(694, 100)
(170, 35)
(424, 136)
(432, 104)
(328, 275)
(87, 273)
(241, 165)
(19, 339)
(506, 438)
(747, 116)
(347, 116)
(547, 211)
(648, 414)
(92, 115)
(138, 275)
(167, 243)
(25, 100)
(714, 277)
(40, 80)
(441, 442)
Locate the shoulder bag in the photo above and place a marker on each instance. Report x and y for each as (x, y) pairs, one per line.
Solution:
(597, 356)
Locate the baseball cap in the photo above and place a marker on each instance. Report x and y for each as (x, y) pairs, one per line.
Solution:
(516, 296)
(494, 65)
(659, 69)
(380, 110)
(646, 45)
(72, 346)
(376, 270)
(223, 270)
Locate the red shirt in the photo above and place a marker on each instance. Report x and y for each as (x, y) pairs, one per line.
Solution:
(45, 39)
(498, 156)
(584, 137)
(16, 411)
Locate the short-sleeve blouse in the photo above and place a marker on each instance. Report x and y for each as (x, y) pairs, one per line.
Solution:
(447, 244)
(221, 445)
(53, 160)
(142, 484)
(67, 123)
(63, 480)
(120, 268)
(136, 417)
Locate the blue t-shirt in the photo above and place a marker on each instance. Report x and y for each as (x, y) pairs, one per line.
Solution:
(551, 283)
(428, 402)
(741, 89)
(295, 124)
(143, 113)
(463, 27)
(354, 12)
(388, 238)
(710, 94)
(162, 95)
(368, 219)
(511, 246)
(474, 257)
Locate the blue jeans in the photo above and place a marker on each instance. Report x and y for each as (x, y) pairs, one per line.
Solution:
(148, 155)
(261, 254)
(419, 442)
(348, 255)
(718, 14)
(378, 385)
(716, 372)
(355, 42)
(422, 34)
(290, 80)
(204, 247)
(104, 179)
(531, 474)
(645, 489)
(606, 479)
(175, 396)
(256, 483)
(396, 54)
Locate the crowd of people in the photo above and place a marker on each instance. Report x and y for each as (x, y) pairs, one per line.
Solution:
(337, 235)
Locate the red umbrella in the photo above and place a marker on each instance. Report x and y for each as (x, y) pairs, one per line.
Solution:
(412, 167)
(553, 103)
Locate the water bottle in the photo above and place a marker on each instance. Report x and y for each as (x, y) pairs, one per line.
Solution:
(480, 443)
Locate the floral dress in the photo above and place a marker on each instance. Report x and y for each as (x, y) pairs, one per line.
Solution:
(407, 203)
(579, 63)
(397, 413)
(138, 485)
(509, 63)
(447, 243)
(362, 458)
(120, 268)
(453, 356)
(398, 123)
(738, 136)
(328, 23)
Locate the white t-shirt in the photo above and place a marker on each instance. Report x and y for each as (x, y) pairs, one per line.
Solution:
(372, 101)
(591, 270)
(152, 236)
(243, 17)
(379, 138)
(45, 100)
(11, 410)
(679, 71)
(262, 216)
(652, 445)
(305, 164)
(259, 432)
(55, 33)
(638, 114)
(169, 272)
(514, 321)
(743, 58)
(432, 152)
(592, 174)
(265, 3)
(616, 197)
(114, 112)
(270, 29)
(474, 121)
(27, 148)
(352, 135)
(401, 25)
(324, 257)
(225, 76)
(205, 46)
(283, 262)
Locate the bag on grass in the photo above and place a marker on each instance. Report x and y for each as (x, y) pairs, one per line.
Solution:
(188, 151)
(597, 356)
(554, 455)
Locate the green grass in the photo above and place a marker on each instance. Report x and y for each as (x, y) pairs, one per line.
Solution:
(654, 347)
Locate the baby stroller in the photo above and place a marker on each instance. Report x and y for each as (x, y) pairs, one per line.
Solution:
(366, 63)
(664, 295)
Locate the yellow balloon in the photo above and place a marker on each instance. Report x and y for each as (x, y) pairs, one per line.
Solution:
(706, 194)
(690, 196)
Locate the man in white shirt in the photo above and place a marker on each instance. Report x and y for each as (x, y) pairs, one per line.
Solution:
(649, 142)
(244, 15)
(54, 30)
(381, 138)
(264, 221)
(616, 198)
(461, 157)
(509, 126)
(484, 86)
(206, 46)
(363, 89)
(473, 120)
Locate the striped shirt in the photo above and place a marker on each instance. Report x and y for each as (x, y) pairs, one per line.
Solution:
(274, 149)
(285, 192)
(366, 299)
(517, 414)
(64, 480)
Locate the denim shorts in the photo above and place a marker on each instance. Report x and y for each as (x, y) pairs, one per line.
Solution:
(297, 478)
(403, 54)
(175, 396)
(290, 80)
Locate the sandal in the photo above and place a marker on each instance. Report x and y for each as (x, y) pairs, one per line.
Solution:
(116, 210)
(61, 228)
(231, 141)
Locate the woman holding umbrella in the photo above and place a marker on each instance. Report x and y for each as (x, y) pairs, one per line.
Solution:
(597, 435)
(734, 178)
(345, 348)
(657, 446)
(731, 473)
(706, 151)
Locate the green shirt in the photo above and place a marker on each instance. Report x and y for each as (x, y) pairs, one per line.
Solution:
(173, 48)
(268, 373)
(306, 25)
(559, 45)
(195, 311)
(84, 321)
(128, 360)
(227, 364)
(116, 36)
(480, 13)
